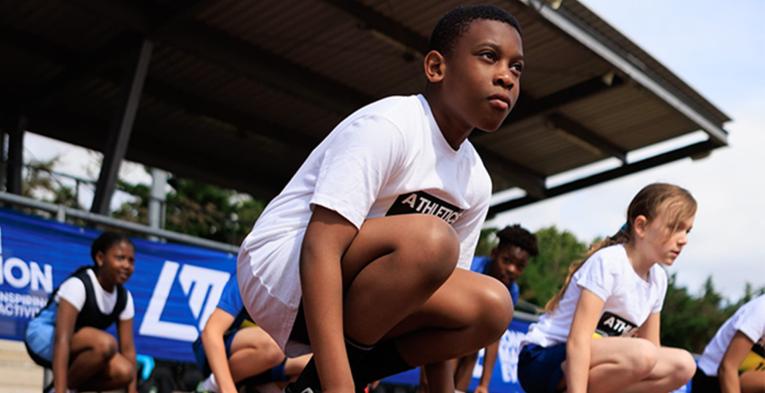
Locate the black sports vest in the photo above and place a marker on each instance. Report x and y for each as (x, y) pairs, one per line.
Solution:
(90, 315)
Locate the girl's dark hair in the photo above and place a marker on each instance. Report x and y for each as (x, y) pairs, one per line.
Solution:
(106, 241)
(654, 199)
(456, 22)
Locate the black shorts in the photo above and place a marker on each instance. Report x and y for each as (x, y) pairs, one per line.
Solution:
(299, 331)
(703, 383)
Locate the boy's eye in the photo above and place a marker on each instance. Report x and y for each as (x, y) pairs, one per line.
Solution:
(489, 55)
(517, 67)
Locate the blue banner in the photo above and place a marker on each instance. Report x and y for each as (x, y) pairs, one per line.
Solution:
(175, 287)
(505, 375)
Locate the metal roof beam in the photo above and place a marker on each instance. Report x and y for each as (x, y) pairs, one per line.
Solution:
(245, 122)
(383, 24)
(88, 63)
(529, 107)
(696, 149)
(586, 136)
(239, 56)
(526, 178)
(88, 132)
(167, 93)
(77, 66)
(599, 45)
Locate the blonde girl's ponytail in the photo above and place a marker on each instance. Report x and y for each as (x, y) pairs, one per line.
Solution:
(620, 237)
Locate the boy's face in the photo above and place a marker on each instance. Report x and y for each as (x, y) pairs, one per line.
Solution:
(508, 263)
(482, 74)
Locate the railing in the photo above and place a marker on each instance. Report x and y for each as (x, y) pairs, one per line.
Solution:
(62, 213)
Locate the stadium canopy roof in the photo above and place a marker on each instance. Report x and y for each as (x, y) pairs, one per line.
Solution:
(237, 93)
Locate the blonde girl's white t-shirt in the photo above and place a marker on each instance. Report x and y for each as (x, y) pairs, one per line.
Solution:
(73, 291)
(749, 319)
(629, 299)
(387, 158)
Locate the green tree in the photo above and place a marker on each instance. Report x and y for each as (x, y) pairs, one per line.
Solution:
(690, 322)
(486, 242)
(545, 273)
(196, 209)
(41, 183)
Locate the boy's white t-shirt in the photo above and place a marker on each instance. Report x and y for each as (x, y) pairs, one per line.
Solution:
(388, 157)
(749, 319)
(629, 299)
(73, 291)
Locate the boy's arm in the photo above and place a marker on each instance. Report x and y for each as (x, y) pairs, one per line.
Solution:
(489, 358)
(327, 238)
(215, 350)
(727, 373)
(127, 349)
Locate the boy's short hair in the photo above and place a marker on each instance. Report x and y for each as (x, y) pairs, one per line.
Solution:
(452, 25)
(518, 236)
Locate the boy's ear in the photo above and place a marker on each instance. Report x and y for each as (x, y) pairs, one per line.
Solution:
(435, 66)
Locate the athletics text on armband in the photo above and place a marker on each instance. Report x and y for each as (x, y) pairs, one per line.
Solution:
(424, 203)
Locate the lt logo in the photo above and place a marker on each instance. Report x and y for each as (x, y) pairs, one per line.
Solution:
(196, 283)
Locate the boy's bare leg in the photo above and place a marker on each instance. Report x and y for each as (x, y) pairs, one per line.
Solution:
(400, 282)
(467, 313)
(392, 267)
(464, 372)
(440, 376)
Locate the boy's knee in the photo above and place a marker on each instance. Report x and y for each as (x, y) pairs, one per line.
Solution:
(437, 248)
(496, 308)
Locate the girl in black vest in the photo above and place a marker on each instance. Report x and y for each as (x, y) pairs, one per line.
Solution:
(69, 336)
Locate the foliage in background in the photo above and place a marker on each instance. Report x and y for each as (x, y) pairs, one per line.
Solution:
(197, 209)
(191, 207)
(486, 242)
(545, 274)
(40, 183)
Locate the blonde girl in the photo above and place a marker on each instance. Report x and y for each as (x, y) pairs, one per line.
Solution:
(601, 331)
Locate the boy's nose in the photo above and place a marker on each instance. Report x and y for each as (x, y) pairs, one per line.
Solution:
(504, 79)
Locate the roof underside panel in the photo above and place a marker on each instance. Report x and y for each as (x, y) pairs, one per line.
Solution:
(250, 87)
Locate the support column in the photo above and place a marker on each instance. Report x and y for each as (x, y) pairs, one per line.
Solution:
(119, 134)
(15, 161)
(157, 198)
(3, 158)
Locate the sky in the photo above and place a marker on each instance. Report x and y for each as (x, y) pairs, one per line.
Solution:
(718, 48)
